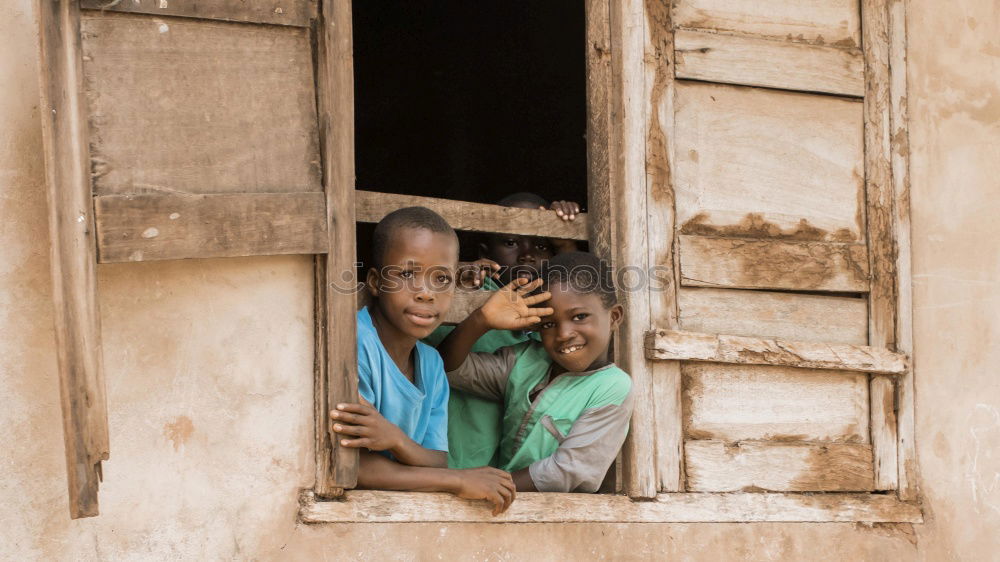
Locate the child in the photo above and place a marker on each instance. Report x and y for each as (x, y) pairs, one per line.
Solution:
(566, 406)
(474, 434)
(405, 394)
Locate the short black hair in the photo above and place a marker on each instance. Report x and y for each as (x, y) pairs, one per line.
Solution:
(407, 217)
(523, 197)
(584, 272)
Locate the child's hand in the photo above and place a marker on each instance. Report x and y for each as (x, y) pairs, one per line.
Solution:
(567, 210)
(366, 424)
(471, 275)
(510, 308)
(487, 483)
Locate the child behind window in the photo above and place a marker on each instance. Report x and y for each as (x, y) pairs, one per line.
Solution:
(566, 406)
(402, 423)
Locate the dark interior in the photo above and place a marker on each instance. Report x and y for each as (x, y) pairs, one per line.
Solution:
(470, 100)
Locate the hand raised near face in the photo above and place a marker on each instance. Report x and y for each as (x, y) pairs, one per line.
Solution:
(513, 307)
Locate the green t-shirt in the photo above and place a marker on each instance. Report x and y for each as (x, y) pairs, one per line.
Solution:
(474, 424)
(569, 433)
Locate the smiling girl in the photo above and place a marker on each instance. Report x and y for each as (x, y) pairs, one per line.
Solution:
(566, 405)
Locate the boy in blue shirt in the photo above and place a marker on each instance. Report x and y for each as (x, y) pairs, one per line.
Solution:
(401, 425)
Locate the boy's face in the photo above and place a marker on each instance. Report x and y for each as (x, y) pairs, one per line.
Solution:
(577, 334)
(518, 256)
(417, 281)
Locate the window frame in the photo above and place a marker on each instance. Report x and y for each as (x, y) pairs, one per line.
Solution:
(629, 46)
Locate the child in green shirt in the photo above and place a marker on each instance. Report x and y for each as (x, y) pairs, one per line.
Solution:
(566, 406)
(475, 424)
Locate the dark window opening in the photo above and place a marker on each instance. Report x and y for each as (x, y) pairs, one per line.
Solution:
(470, 100)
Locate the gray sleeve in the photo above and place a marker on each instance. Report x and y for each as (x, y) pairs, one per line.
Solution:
(585, 455)
(484, 374)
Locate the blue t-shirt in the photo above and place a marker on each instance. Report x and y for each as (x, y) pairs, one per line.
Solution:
(421, 409)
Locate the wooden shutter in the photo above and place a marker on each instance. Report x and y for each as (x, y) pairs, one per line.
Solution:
(194, 130)
(775, 179)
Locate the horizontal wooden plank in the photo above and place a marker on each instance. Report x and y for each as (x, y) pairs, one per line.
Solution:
(476, 217)
(278, 12)
(753, 402)
(766, 314)
(367, 506)
(195, 106)
(760, 163)
(773, 264)
(158, 226)
(823, 22)
(675, 345)
(754, 466)
(750, 61)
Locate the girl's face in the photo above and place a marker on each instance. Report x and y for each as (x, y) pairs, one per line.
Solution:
(578, 333)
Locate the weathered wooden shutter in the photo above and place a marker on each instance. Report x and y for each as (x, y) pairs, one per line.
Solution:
(191, 130)
(776, 174)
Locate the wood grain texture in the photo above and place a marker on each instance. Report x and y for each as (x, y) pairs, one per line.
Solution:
(661, 223)
(768, 164)
(276, 12)
(740, 402)
(73, 255)
(599, 143)
(900, 158)
(764, 314)
(474, 217)
(881, 232)
(821, 22)
(720, 348)
(751, 61)
(336, 466)
(165, 226)
(753, 466)
(365, 506)
(624, 206)
(197, 106)
(773, 264)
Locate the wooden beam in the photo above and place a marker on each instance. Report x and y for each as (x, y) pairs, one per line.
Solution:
(73, 254)
(364, 506)
(599, 144)
(818, 22)
(661, 230)
(881, 232)
(230, 108)
(766, 314)
(759, 466)
(276, 12)
(623, 206)
(337, 364)
(165, 226)
(731, 403)
(752, 61)
(474, 217)
(900, 157)
(742, 263)
(715, 348)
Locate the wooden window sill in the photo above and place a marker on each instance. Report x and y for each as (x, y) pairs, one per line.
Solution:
(366, 506)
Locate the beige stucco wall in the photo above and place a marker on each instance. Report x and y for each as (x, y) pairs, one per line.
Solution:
(209, 369)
